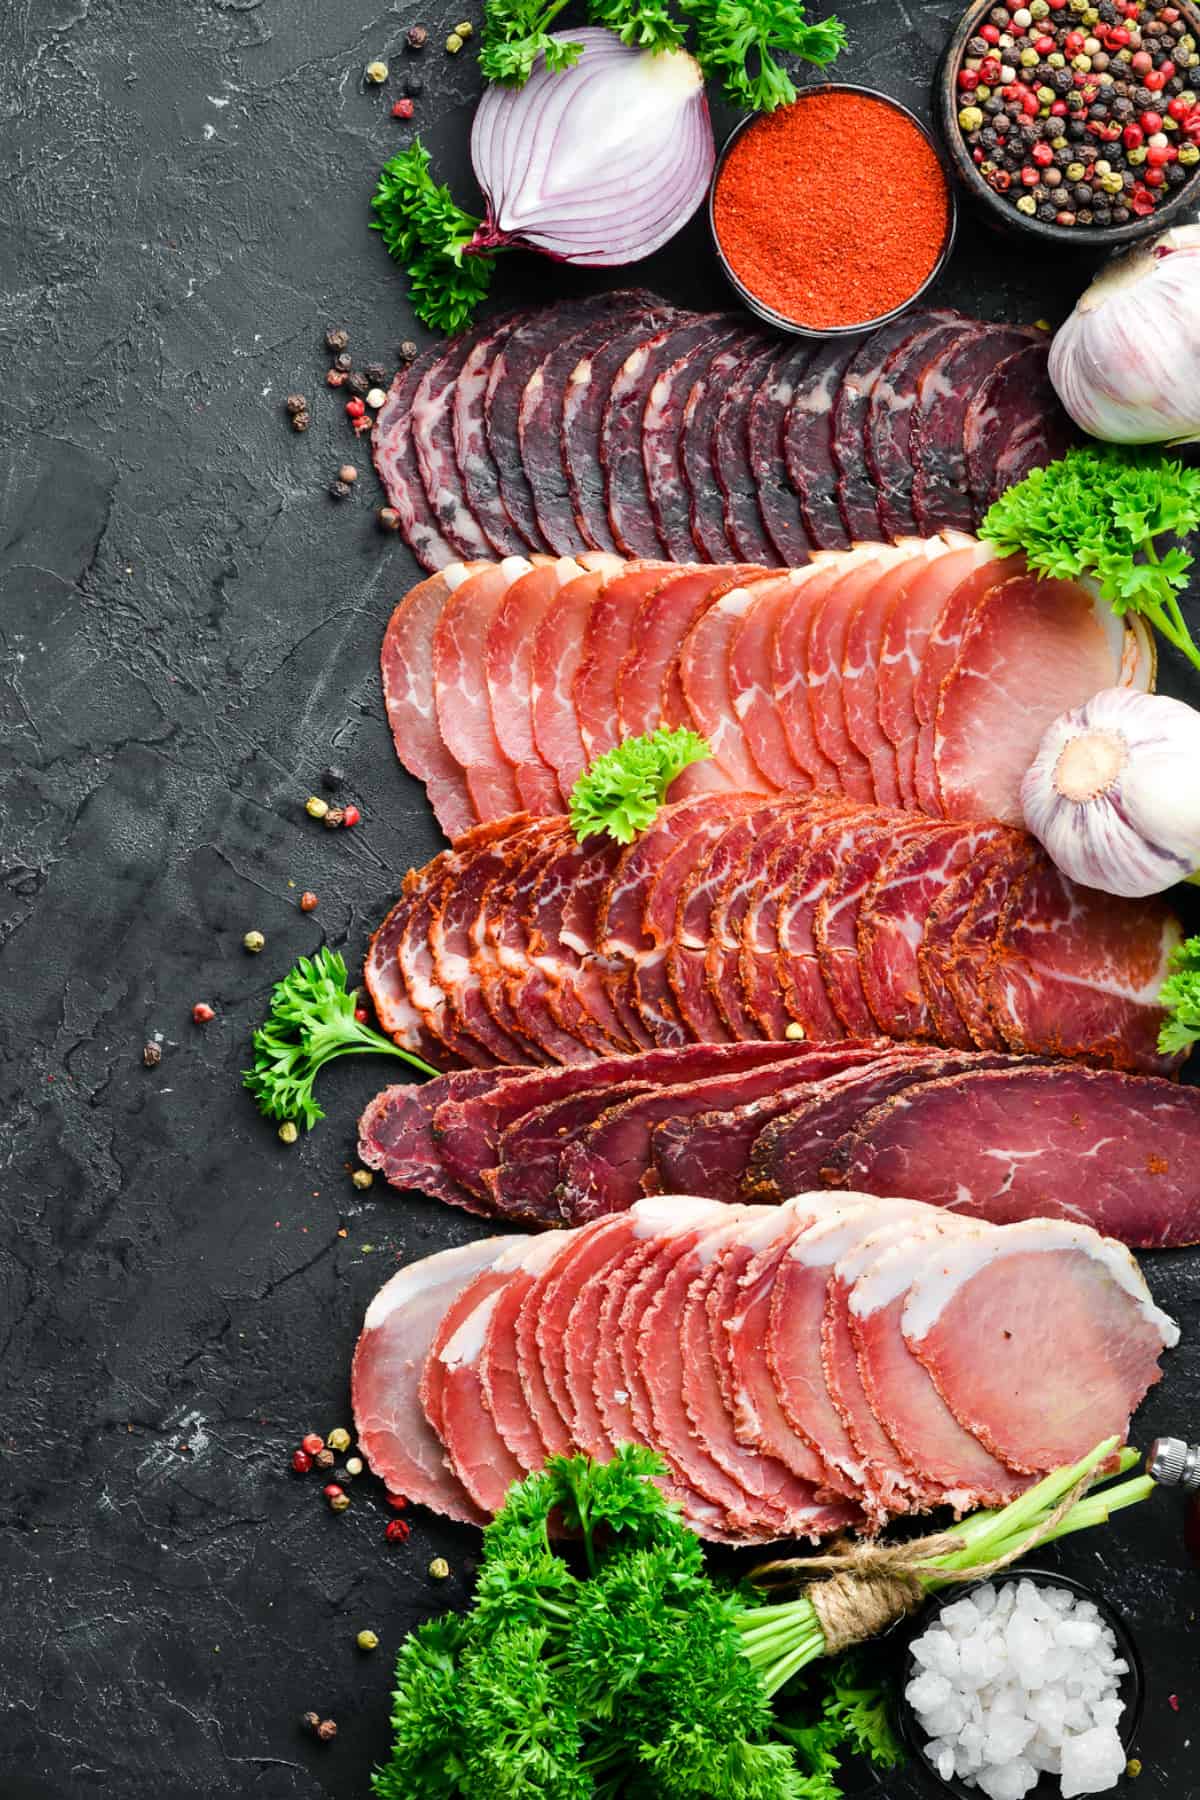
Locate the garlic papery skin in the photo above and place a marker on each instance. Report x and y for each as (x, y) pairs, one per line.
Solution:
(1126, 365)
(1113, 794)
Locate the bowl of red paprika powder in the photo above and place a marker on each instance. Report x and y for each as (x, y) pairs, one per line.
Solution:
(808, 251)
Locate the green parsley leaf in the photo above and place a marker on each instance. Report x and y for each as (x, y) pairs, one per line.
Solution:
(623, 789)
(737, 42)
(1180, 995)
(426, 231)
(642, 24)
(516, 33)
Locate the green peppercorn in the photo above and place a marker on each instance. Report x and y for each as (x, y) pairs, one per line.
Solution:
(1081, 62)
(439, 1568)
(983, 92)
(367, 1640)
(1075, 171)
(1111, 183)
(971, 118)
(362, 1178)
(254, 941)
(1039, 9)
(1135, 158)
(1027, 205)
(289, 1131)
(1029, 59)
(339, 1439)
(1057, 60)
(1189, 153)
(454, 44)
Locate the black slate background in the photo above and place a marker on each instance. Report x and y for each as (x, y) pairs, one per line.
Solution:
(190, 631)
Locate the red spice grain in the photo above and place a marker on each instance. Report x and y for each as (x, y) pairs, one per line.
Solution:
(813, 246)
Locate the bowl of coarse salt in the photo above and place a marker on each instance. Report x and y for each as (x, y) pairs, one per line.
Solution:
(1023, 1686)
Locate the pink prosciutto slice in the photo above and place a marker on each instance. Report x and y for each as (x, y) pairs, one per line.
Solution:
(828, 633)
(661, 626)
(704, 670)
(542, 1325)
(406, 664)
(790, 673)
(941, 654)
(508, 665)
(464, 712)
(1041, 1337)
(501, 1386)
(861, 658)
(1032, 650)
(554, 662)
(398, 1332)
(610, 626)
(752, 678)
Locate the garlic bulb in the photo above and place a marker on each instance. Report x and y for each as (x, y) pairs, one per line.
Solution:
(1114, 793)
(1126, 365)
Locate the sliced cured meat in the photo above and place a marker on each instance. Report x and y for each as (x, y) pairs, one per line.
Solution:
(1015, 403)
(561, 925)
(526, 1184)
(539, 423)
(827, 839)
(398, 1331)
(778, 501)
(395, 459)
(452, 949)
(836, 919)
(541, 1325)
(662, 429)
(609, 636)
(418, 971)
(764, 990)
(808, 444)
(736, 475)
(699, 903)
(516, 991)
(432, 418)
(851, 407)
(626, 479)
(508, 666)
(1032, 650)
(464, 712)
(706, 505)
(498, 1365)
(1041, 1337)
(585, 396)
(948, 383)
(942, 648)
(395, 1135)
(861, 659)
(394, 1009)
(933, 1445)
(481, 481)
(554, 663)
(829, 624)
(1075, 972)
(887, 438)
(751, 676)
(1044, 438)
(726, 949)
(666, 616)
(1115, 1152)
(406, 664)
(916, 609)
(704, 672)
(790, 670)
(958, 947)
(521, 353)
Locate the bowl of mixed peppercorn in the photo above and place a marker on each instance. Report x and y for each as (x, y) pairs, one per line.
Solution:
(1073, 119)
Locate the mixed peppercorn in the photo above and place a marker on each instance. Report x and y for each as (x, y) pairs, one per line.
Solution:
(1082, 114)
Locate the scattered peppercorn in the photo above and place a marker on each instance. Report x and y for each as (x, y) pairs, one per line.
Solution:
(301, 1462)
(414, 86)
(344, 362)
(333, 776)
(351, 817)
(254, 941)
(301, 422)
(312, 1442)
(397, 1502)
(397, 1531)
(355, 409)
(416, 37)
(327, 1729)
(324, 1460)
(315, 807)
(310, 1720)
(376, 73)
(337, 337)
(334, 818)
(439, 1568)
(339, 490)
(403, 109)
(376, 398)
(348, 473)
(367, 1640)
(289, 1131)
(358, 384)
(354, 1466)
(389, 518)
(465, 29)
(408, 351)
(454, 43)
(308, 901)
(361, 1014)
(1133, 1768)
(202, 1013)
(296, 403)
(152, 1055)
(362, 1178)
(339, 1439)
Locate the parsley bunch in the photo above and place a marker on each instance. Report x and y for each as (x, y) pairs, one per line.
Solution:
(1180, 995)
(625, 1678)
(623, 789)
(429, 233)
(1113, 514)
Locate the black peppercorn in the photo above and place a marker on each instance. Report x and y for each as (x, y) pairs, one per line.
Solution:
(1082, 194)
(1177, 174)
(301, 422)
(1064, 158)
(1098, 112)
(340, 490)
(408, 351)
(416, 37)
(978, 46)
(1122, 108)
(1085, 215)
(377, 375)
(1046, 213)
(987, 137)
(358, 384)
(414, 87)
(296, 403)
(1062, 81)
(994, 108)
(1144, 100)
(333, 776)
(336, 338)
(1102, 216)
(152, 1054)
(344, 362)
(1120, 215)
(1076, 129)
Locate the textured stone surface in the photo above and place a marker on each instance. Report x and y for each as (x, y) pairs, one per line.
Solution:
(190, 630)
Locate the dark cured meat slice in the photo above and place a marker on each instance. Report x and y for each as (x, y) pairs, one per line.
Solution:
(508, 663)
(890, 417)
(752, 681)
(1015, 403)
(855, 488)
(481, 482)
(464, 711)
(1021, 1143)
(808, 444)
(522, 352)
(1038, 443)
(539, 425)
(736, 474)
(525, 1183)
(609, 636)
(458, 902)
(626, 480)
(585, 395)
(835, 922)
(395, 1135)
(395, 459)
(501, 1386)
(406, 664)
(948, 384)
(650, 665)
(662, 437)
(432, 416)
(707, 1153)
(777, 499)
(706, 509)
(390, 1424)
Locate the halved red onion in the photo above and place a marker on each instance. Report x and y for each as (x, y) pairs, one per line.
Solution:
(601, 163)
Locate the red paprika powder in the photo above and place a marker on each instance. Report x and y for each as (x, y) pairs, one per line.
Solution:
(832, 211)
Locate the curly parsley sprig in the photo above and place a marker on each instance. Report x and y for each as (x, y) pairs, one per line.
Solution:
(429, 233)
(1101, 512)
(623, 789)
(516, 33)
(1180, 996)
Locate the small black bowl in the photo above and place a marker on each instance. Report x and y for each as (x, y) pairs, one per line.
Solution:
(1092, 239)
(780, 320)
(1133, 1683)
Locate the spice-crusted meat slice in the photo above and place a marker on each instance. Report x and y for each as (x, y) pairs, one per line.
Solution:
(912, 617)
(395, 458)
(808, 444)
(547, 1010)
(539, 422)
(948, 384)
(611, 620)
(662, 430)
(888, 435)
(480, 974)
(736, 474)
(386, 977)
(517, 994)
(561, 927)
(965, 943)
(649, 667)
(626, 482)
(764, 990)
(828, 839)
(464, 711)
(1078, 973)
(942, 646)
(406, 665)
(508, 666)
(389, 1422)
(706, 505)
(1032, 650)
(395, 1135)
(481, 480)
(419, 973)
(777, 498)
(432, 418)
(751, 676)
(836, 920)
(861, 659)
(585, 396)
(456, 910)
(704, 672)
(851, 408)
(1064, 1338)
(742, 957)
(686, 953)
(1017, 1141)
(1014, 407)
(554, 662)
(828, 630)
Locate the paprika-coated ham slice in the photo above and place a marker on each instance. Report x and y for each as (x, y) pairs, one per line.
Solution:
(956, 941)
(828, 837)
(389, 1422)
(555, 658)
(1041, 1337)
(452, 947)
(561, 928)
(698, 909)
(464, 712)
(667, 615)
(733, 959)
(508, 668)
(836, 918)
(396, 1014)
(406, 665)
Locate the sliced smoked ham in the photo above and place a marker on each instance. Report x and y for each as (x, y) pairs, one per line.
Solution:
(464, 712)
(508, 667)
(406, 664)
